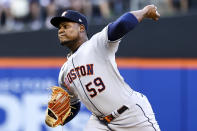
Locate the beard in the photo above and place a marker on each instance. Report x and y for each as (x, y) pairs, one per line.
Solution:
(68, 43)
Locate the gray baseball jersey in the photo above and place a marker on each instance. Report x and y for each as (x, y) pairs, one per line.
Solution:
(91, 76)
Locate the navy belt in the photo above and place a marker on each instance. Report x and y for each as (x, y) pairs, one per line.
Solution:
(110, 117)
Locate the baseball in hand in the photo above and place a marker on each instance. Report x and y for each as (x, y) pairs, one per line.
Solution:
(151, 12)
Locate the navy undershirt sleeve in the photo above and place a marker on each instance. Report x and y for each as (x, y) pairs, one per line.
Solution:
(74, 111)
(121, 26)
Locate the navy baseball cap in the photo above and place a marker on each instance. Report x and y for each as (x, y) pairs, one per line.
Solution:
(70, 15)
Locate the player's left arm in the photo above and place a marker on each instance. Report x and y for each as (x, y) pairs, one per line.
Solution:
(129, 20)
(75, 108)
(60, 109)
(74, 102)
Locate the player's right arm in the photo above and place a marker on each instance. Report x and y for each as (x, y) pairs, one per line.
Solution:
(129, 20)
(108, 39)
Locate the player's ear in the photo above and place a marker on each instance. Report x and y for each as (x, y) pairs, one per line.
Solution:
(82, 28)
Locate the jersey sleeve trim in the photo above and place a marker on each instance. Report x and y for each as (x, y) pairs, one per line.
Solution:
(121, 26)
(111, 41)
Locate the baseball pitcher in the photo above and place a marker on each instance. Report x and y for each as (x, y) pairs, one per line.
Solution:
(90, 75)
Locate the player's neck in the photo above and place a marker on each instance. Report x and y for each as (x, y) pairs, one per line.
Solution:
(75, 47)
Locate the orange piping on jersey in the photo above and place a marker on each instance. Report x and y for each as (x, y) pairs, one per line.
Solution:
(57, 62)
(73, 74)
(90, 69)
(83, 70)
(77, 71)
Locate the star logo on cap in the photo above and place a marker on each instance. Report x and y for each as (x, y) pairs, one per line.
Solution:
(80, 20)
(64, 13)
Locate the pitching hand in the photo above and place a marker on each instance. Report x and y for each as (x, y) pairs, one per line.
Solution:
(151, 12)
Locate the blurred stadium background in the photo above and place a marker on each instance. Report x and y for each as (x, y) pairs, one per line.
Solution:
(156, 58)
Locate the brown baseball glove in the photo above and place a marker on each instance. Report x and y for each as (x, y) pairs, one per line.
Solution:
(58, 107)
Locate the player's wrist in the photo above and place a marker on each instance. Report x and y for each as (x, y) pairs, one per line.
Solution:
(141, 14)
(145, 12)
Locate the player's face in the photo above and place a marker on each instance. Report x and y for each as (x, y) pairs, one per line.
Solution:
(68, 33)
